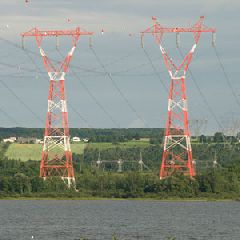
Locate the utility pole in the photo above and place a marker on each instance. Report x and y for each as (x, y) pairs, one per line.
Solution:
(141, 163)
(177, 153)
(198, 126)
(99, 162)
(120, 163)
(56, 154)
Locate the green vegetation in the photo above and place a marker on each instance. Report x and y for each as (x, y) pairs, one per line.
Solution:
(19, 176)
(19, 179)
(25, 152)
(127, 144)
(78, 148)
(96, 135)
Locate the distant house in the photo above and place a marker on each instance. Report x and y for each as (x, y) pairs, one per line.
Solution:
(86, 140)
(10, 140)
(76, 139)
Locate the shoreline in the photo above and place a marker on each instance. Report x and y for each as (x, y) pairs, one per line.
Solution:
(121, 199)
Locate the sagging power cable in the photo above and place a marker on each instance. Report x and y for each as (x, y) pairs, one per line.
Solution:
(226, 76)
(155, 70)
(117, 88)
(84, 86)
(17, 97)
(92, 96)
(201, 93)
(21, 101)
(69, 104)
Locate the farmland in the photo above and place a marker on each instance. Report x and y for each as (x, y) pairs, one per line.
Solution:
(128, 144)
(25, 152)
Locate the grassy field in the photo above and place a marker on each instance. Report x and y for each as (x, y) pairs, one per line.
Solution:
(26, 152)
(78, 147)
(129, 144)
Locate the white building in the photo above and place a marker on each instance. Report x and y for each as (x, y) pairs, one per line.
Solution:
(10, 140)
(39, 141)
(86, 140)
(76, 139)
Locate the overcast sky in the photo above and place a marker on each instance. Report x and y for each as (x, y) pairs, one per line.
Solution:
(94, 98)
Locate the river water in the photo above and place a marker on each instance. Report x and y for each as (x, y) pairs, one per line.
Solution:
(100, 219)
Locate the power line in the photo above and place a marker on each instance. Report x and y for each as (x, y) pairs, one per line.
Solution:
(14, 94)
(84, 86)
(21, 101)
(96, 101)
(90, 70)
(93, 70)
(93, 97)
(79, 115)
(117, 88)
(122, 73)
(154, 69)
(231, 88)
(9, 117)
(70, 105)
(39, 71)
(17, 66)
(226, 76)
(201, 93)
(111, 62)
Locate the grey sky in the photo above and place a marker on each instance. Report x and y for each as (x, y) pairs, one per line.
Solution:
(130, 68)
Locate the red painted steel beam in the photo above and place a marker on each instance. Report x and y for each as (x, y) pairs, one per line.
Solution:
(48, 33)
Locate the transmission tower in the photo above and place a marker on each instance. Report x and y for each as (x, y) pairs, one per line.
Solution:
(56, 154)
(198, 126)
(177, 154)
(231, 125)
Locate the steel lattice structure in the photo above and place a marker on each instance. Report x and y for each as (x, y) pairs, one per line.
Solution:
(177, 153)
(56, 154)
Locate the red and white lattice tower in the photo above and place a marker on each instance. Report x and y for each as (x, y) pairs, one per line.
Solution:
(177, 152)
(56, 154)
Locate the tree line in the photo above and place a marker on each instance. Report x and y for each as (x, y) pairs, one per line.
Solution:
(21, 178)
(94, 134)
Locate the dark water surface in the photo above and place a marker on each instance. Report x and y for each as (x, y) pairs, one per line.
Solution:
(99, 219)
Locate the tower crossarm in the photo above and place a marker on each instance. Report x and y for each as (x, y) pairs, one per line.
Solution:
(157, 30)
(40, 34)
(45, 33)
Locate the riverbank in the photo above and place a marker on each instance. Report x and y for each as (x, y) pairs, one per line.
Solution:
(170, 199)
